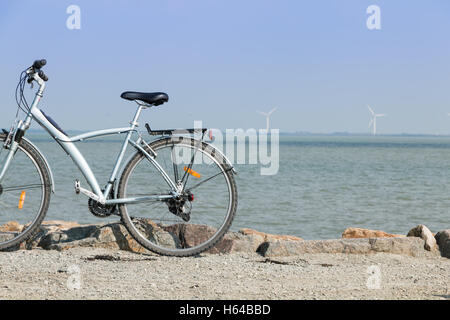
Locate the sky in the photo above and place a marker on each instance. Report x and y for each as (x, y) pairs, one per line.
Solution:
(221, 61)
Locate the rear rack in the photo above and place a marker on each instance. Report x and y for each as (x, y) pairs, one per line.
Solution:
(170, 132)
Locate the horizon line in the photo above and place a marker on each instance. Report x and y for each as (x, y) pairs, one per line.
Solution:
(300, 133)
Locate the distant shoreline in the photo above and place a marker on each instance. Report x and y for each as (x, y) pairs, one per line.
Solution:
(305, 134)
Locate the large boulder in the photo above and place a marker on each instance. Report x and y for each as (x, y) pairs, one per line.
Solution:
(424, 233)
(351, 233)
(443, 241)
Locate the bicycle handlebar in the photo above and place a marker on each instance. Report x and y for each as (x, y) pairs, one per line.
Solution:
(37, 65)
(42, 75)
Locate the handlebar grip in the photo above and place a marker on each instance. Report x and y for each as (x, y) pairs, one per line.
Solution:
(39, 63)
(43, 76)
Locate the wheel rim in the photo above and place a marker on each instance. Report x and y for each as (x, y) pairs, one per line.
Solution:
(165, 231)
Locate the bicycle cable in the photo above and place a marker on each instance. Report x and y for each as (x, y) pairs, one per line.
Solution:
(21, 99)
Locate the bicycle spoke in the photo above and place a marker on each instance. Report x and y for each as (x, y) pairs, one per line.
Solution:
(148, 203)
(186, 173)
(206, 180)
(3, 205)
(169, 220)
(175, 166)
(25, 187)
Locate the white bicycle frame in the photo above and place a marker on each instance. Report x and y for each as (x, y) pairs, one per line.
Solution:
(68, 145)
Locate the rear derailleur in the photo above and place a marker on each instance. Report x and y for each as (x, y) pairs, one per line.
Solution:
(181, 206)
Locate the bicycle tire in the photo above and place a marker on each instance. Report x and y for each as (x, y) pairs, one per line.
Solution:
(32, 228)
(179, 252)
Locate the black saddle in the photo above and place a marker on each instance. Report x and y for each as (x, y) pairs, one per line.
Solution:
(153, 98)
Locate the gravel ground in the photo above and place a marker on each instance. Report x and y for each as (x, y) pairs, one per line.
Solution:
(86, 273)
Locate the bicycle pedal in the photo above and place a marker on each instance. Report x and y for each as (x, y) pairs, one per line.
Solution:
(93, 196)
(77, 187)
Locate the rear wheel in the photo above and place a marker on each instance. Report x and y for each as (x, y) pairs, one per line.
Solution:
(24, 194)
(191, 223)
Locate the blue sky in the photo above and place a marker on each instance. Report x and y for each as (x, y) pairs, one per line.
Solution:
(220, 61)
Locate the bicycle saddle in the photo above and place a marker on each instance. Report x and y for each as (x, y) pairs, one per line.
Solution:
(154, 98)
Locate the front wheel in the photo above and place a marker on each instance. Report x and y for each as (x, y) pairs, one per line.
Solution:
(191, 223)
(24, 194)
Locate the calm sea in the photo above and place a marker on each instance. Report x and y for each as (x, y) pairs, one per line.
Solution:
(324, 184)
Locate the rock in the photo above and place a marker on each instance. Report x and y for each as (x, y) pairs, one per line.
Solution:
(237, 242)
(350, 233)
(115, 236)
(407, 246)
(59, 225)
(410, 246)
(268, 236)
(246, 240)
(289, 248)
(443, 241)
(110, 236)
(192, 235)
(11, 226)
(424, 233)
(61, 235)
(167, 238)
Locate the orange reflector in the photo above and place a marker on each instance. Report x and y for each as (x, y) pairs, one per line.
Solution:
(211, 137)
(192, 172)
(22, 199)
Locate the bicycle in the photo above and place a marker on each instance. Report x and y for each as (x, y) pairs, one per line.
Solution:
(176, 195)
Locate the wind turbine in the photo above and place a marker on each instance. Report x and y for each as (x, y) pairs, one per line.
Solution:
(267, 115)
(373, 121)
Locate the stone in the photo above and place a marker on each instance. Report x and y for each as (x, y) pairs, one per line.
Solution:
(410, 246)
(289, 248)
(246, 240)
(61, 235)
(443, 241)
(11, 226)
(351, 233)
(115, 236)
(406, 246)
(192, 235)
(111, 236)
(268, 236)
(59, 225)
(424, 233)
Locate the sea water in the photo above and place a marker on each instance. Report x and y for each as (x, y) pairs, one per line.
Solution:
(324, 184)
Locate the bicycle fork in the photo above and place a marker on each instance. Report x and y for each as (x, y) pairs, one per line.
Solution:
(8, 160)
(11, 144)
